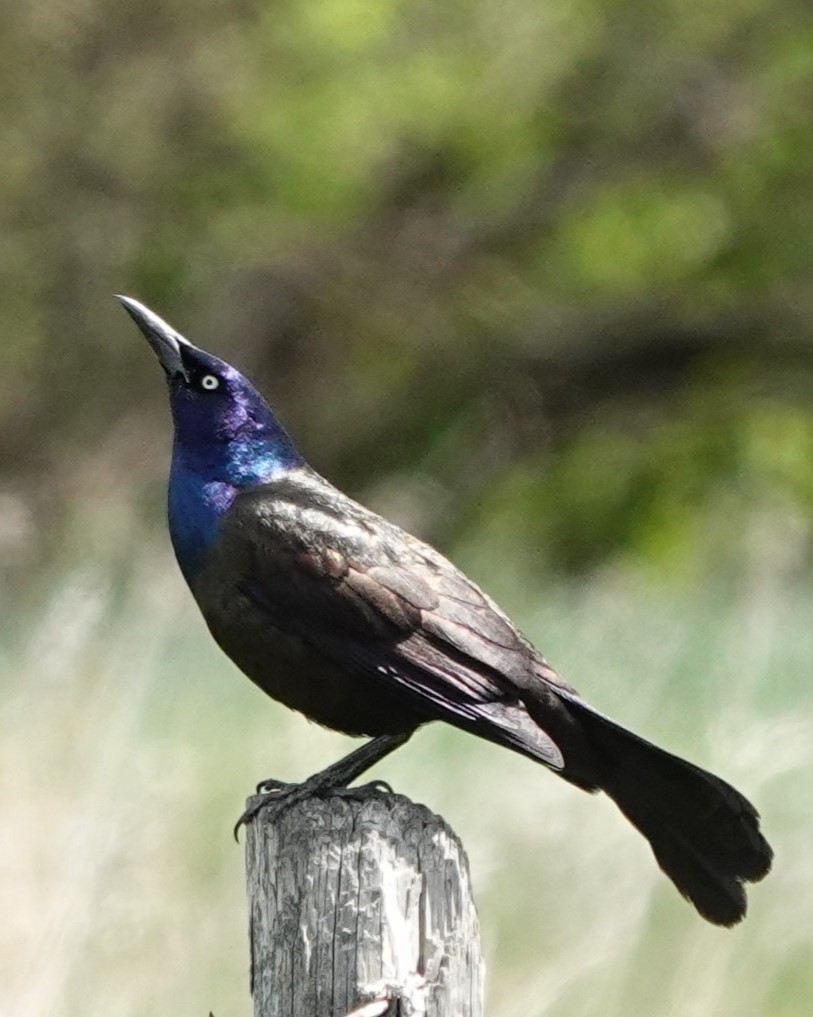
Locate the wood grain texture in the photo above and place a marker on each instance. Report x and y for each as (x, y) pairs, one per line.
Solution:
(352, 901)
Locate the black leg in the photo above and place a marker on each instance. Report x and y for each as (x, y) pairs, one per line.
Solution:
(333, 778)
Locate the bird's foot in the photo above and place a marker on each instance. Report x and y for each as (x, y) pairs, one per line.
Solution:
(278, 789)
(281, 795)
(335, 779)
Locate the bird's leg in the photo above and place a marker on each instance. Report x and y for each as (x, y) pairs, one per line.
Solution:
(332, 780)
(345, 770)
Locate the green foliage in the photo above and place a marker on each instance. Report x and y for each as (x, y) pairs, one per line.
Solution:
(550, 262)
(692, 493)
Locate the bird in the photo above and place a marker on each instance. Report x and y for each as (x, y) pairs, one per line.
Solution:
(343, 616)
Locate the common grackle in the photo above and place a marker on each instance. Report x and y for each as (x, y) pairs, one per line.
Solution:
(343, 616)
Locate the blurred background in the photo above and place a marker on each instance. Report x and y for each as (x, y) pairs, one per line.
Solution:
(535, 280)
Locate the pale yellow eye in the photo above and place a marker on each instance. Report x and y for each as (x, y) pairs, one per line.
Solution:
(209, 382)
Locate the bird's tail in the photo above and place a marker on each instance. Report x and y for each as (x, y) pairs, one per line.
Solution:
(704, 833)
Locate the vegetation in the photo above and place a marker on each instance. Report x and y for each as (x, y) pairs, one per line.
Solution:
(594, 218)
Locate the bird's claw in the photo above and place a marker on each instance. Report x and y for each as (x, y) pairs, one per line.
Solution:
(250, 812)
(365, 790)
(273, 785)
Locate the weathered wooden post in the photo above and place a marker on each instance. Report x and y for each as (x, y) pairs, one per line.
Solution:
(354, 901)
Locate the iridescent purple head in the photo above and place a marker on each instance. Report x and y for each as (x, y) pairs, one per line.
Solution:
(224, 429)
(227, 438)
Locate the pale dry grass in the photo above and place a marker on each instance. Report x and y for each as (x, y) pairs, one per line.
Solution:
(128, 745)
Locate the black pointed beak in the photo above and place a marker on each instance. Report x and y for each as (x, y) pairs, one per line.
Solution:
(165, 341)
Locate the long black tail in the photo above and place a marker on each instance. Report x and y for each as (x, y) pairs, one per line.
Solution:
(704, 833)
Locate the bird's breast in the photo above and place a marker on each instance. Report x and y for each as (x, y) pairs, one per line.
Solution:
(291, 669)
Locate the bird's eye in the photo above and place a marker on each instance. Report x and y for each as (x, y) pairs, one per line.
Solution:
(209, 382)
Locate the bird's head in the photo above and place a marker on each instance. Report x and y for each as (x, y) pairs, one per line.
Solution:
(224, 429)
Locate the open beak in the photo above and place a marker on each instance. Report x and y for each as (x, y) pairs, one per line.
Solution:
(165, 341)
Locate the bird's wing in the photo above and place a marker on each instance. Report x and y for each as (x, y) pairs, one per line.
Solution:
(382, 604)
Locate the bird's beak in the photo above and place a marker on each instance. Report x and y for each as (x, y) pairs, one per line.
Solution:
(165, 341)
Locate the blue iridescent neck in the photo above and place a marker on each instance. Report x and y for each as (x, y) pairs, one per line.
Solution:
(195, 507)
(227, 440)
(205, 479)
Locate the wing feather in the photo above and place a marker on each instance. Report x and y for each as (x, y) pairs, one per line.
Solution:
(376, 600)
